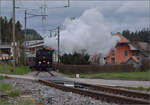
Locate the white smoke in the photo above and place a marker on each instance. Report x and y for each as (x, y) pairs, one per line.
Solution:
(89, 32)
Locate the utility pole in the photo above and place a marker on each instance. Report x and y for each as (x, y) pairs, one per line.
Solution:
(0, 28)
(25, 26)
(68, 3)
(13, 29)
(58, 42)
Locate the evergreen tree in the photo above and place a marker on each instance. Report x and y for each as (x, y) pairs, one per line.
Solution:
(75, 58)
(141, 35)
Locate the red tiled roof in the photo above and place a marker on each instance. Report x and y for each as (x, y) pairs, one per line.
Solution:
(122, 38)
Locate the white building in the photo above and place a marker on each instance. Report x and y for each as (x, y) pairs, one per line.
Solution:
(32, 46)
(6, 51)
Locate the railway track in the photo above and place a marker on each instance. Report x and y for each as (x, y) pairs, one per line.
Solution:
(117, 91)
(103, 93)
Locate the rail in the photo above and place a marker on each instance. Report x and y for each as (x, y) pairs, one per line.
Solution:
(103, 95)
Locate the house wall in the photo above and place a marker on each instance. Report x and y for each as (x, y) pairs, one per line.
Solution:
(119, 53)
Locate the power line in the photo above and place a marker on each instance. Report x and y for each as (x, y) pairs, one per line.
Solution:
(78, 0)
(75, 5)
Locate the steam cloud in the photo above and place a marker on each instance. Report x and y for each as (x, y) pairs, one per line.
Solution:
(89, 32)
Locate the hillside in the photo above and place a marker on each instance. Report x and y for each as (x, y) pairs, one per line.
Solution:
(32, 34)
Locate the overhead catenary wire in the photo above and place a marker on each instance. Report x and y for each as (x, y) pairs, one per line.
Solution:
(78, 0)
(82, 5)
(53, 6)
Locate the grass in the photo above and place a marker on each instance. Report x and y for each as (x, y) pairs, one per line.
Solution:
(20, 102)
(20, 70)
(5, 87)
(3, 77)
(122, 75)
(25, 102)
(140, 88)
(5, 102)
(14, 93)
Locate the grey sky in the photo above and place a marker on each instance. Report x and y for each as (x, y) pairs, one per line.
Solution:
(120, 15)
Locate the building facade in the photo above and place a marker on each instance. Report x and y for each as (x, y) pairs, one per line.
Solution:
(123, 52)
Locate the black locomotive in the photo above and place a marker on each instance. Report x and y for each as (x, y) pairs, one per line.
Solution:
(44, 60)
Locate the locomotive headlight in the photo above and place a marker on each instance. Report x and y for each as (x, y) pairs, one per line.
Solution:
(40, 62)
(48, 62)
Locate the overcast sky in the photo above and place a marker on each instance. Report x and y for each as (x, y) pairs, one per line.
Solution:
(120, 15)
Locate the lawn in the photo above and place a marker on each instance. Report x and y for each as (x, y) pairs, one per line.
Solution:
(122, 75)
(140, 88)
(3, 77)
(4, 87)
(20, 70)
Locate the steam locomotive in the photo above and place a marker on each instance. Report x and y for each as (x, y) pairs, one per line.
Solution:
(44, 60)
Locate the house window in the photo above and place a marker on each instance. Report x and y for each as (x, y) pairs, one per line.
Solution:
(112, 60)
(126, 52)
(113, 53)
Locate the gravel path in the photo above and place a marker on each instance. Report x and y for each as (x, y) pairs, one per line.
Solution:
(109, 82)
(49, 95)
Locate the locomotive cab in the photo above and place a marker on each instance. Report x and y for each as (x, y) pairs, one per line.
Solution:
(44, 60)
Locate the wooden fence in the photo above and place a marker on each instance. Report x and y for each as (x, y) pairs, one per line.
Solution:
(94, 68)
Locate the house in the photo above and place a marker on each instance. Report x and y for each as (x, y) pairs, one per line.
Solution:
(143, 48)
(97, 59)
(123, 52)
(133, 61)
